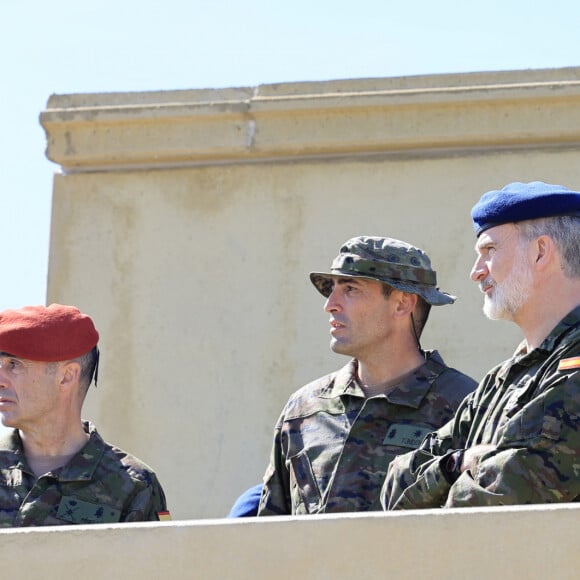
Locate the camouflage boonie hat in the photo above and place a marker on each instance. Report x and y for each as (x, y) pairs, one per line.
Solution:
(387, 260)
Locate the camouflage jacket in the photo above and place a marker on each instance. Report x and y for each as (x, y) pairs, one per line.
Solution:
(528, 408)
(332, 445)
(100, 484)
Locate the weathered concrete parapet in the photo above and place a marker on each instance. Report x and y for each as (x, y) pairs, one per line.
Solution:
(414, 115)
(527, 542)
(186, 222)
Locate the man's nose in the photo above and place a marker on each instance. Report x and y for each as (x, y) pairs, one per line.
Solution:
(479, 270)
(331, 303)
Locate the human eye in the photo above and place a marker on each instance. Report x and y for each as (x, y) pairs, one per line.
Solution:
(486, 250)
(327, 288)
(12, 365)
(15, 365)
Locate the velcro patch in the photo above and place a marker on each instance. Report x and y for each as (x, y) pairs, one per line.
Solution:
(405, 435)
(76, 511)
(567, 364)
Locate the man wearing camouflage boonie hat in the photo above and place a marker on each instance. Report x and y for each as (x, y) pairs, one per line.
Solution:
(54, 468)
(516, 438)
(336, 435)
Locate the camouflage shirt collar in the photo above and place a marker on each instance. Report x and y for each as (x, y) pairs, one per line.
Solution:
(10, 442)
(80, 468)
(570, 322)
(410, 392)
(83, 465)
(560, 333)
(344, 383)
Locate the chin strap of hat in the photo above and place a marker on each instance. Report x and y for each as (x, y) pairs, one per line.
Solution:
(415, 333)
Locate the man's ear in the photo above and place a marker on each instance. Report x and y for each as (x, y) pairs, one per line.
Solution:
(70, 374)
(406, 304)
(544, 250)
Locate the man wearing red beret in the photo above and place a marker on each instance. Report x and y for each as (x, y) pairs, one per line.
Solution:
(55, 469)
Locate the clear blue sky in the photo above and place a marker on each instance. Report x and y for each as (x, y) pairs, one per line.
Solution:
(69, 46)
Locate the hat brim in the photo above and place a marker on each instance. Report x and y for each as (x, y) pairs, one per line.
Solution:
(323, 283)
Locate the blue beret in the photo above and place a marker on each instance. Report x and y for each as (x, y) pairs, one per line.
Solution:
(517, 202)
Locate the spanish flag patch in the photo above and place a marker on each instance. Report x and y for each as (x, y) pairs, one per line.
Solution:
(567, 364)
(164, 516)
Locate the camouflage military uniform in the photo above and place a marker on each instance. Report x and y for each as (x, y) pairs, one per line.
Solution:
(332, 445)
(529, 409)
(100, 484)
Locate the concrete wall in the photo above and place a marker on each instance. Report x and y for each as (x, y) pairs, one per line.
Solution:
(186, 223)
(525, 542)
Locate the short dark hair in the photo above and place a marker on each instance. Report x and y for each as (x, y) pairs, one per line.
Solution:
(88, 362)
(421, 314)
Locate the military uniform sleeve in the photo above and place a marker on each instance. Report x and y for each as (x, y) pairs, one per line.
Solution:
(275, 498)
(147, 503)
(415, 479)
(537, 459)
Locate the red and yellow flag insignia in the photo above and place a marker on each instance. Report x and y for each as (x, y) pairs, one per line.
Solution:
(164, 516)
(569, 363)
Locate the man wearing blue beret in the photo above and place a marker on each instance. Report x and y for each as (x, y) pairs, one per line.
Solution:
(516, 439)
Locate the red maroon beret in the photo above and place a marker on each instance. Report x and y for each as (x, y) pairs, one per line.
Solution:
(47, 333)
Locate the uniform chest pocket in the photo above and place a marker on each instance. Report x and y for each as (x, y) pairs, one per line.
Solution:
(304, 490)
(531, 422)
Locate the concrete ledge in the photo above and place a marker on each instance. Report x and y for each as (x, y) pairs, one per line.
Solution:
(514, 542)
(409, 115)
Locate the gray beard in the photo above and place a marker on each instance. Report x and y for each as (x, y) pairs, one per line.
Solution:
(510, 295)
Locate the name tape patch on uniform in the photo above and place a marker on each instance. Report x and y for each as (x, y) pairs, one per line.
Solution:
(164, 516)
(405, 435)
(76, 511)
(569, 363)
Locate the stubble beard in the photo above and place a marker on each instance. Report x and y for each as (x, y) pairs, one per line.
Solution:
(339, 347)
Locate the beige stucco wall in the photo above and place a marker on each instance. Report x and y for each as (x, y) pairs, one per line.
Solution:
(186, 223)
(507, 543)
